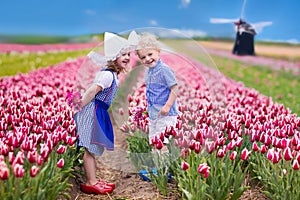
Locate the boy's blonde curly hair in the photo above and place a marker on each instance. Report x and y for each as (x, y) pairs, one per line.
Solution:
(147, 41)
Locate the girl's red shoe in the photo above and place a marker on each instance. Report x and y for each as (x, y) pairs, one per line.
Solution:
(98, 188)
(112, 185)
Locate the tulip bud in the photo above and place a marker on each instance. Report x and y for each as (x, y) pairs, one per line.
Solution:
(34, 171)
(287, 154)
(159, 144)
(18, 170)
(61, 149)
(245, 154)
(121, 111)
(295, 165)
(184, 165)
(233, 155)
(4, 171)
(61, 163)
(255, 146)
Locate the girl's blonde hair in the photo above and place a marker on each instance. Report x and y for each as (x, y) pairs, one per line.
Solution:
(147, 41)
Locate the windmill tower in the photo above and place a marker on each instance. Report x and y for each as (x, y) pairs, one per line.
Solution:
(245, 33)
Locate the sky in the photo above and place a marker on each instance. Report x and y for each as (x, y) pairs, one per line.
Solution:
(192, 17)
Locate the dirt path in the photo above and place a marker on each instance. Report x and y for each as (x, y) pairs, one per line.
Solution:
(115, 167)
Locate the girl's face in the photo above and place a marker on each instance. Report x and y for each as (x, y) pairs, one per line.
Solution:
(149, 57)
(124, 60)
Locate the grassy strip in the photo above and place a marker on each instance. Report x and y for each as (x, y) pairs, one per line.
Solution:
(12, 64)
(282, 86)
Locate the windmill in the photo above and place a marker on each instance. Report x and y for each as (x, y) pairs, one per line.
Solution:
(245, 32)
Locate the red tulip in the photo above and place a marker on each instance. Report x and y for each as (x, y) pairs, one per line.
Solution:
(295, 165)
(61, 163)
(233, 155)
(159, 144)
(61, 149)
(287, 154)
(19, 158)
(18, 170)
(34, 171)
(255, 147)
(220, 153)
(276, 157)
(245, 154)
(40, 160)
(204, 169)
(4, 171)
(71, 140)
(198, 147)
(32, 156)
(121, 111)
(184, 165)
(185, 152)
(263, 149)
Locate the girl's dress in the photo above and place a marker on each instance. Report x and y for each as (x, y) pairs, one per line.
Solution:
(93, 122)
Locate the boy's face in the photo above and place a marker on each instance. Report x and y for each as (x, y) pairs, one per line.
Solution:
(149, 57)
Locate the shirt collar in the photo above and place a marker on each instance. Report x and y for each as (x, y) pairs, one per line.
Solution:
(156, 67)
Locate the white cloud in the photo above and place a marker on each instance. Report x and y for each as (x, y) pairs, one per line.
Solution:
(290, 41)
(184, 3)
(293, 41)
(192, 33)
(90, 12)
(153, 22)
(181, 33)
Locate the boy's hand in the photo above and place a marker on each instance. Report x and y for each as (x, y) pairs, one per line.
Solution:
(164, 110)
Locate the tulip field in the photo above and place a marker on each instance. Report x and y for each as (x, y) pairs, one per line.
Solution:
(237, 120)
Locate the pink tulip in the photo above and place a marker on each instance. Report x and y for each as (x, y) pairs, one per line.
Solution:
(295, 165)
(184, 165)
(276, 157)
(233, 155)
(71, 140)
(129, 98)
(121, 111)
(19, 158)
(11, 157)
(198, 147)
(18, 170)
(40, 160)
(185, 152)
(61, 163)
(231, 145)
(245, 154)
(32, 156)
(239, 141)
(204, 170)
(263, 149)
(34, 171)
(159, 144)
(270, 154)
(255, 147)
(4, 171)
(220, 153)
(61, 149)
(287, 154)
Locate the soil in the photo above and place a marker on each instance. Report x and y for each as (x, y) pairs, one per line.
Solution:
(115, 167)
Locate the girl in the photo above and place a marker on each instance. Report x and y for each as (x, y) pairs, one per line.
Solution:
(93, 122)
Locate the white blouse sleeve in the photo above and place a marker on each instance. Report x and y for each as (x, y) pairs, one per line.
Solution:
(104, 79)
